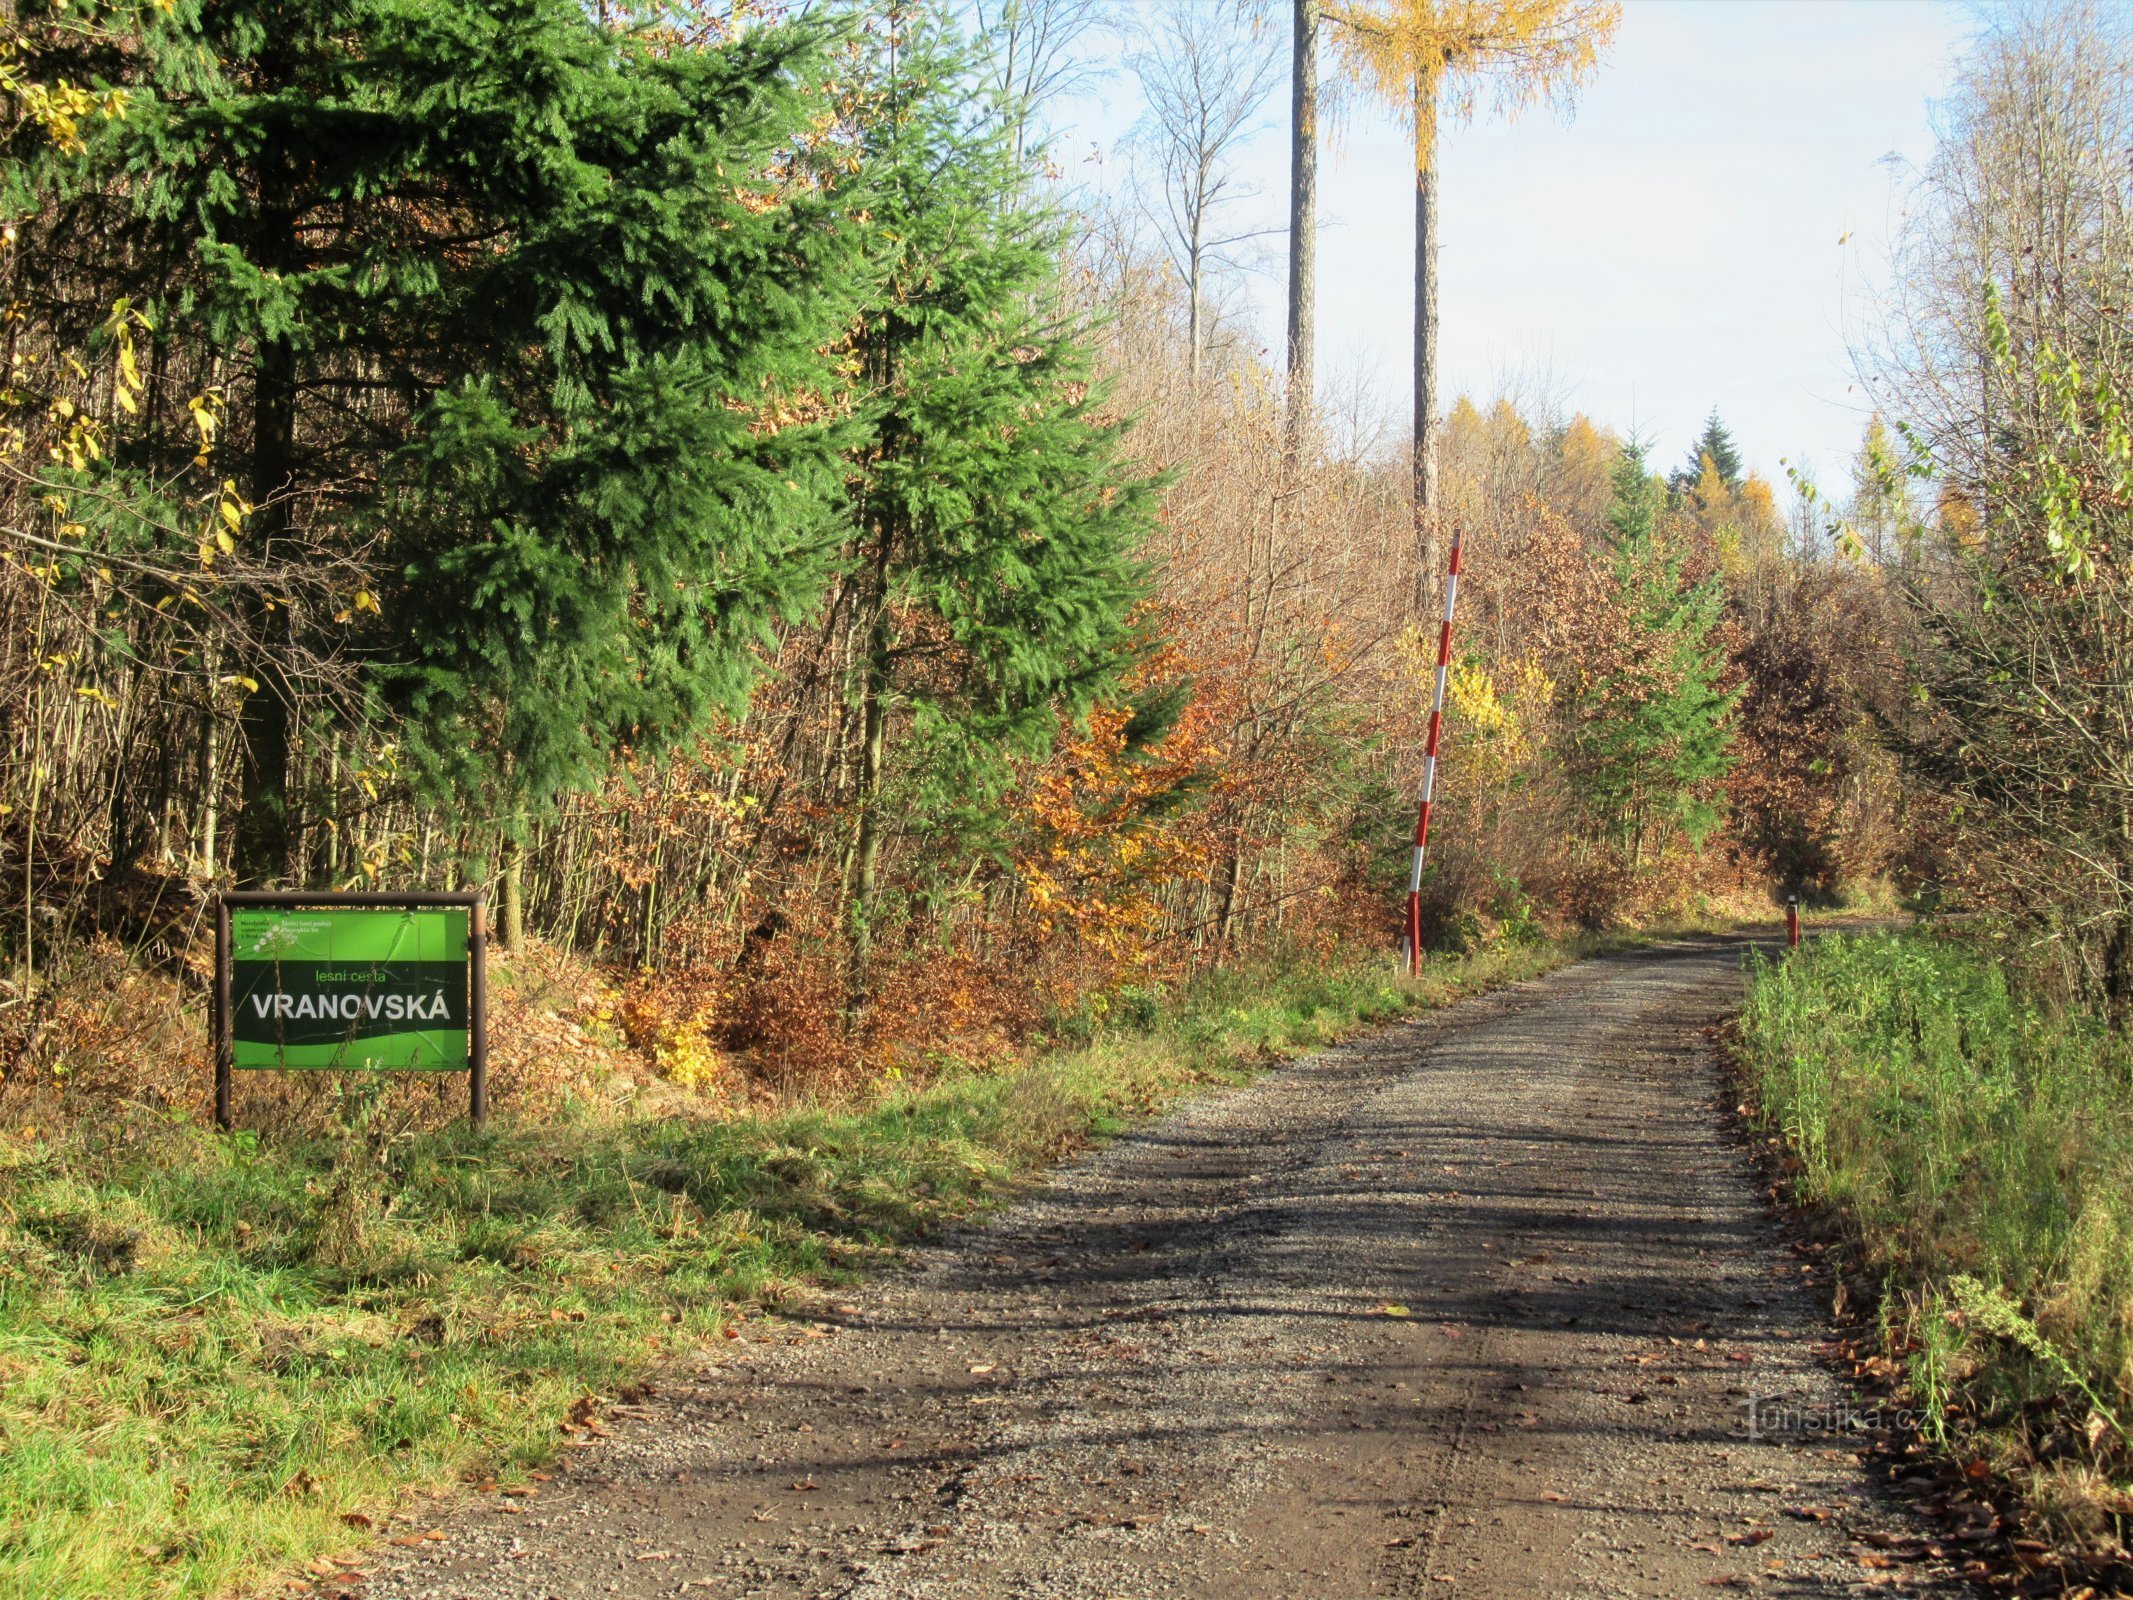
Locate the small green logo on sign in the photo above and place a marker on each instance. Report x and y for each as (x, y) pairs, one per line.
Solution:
(382, 990)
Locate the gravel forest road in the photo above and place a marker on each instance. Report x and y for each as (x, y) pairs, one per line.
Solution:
(1476, 1306)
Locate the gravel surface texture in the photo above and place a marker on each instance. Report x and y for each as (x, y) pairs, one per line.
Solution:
(1481, 1305)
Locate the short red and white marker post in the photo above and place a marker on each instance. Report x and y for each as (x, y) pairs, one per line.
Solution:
(1429, 762)
(1792, 920)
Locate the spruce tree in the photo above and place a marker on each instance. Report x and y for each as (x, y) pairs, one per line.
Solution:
(1652, 731)
(1716, 446)
(505, 313)
(994, 522)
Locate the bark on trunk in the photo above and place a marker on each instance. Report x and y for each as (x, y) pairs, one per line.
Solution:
(1231, 871)
(210, 758)
(511, 895)
(1303, 215)
(2118, 975)
(262, 842)
(1193, 275)
(866, 853)
(1425, 352)
(264, 722)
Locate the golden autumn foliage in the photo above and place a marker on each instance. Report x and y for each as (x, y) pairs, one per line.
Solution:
(1430, 61)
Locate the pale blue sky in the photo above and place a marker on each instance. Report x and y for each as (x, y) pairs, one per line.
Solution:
(1711, 228)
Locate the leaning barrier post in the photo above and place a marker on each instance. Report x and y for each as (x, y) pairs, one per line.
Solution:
(1429, 761)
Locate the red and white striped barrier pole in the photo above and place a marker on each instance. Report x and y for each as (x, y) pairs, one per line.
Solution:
(1429, 762)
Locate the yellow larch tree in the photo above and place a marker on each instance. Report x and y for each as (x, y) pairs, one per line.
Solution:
(1441, 61)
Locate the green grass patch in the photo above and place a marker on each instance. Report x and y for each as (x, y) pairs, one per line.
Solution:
(215, 1349)
(1978, 1147)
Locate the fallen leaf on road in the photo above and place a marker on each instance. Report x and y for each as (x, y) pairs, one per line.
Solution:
(1400, 1543)
(1810, 1513)
(804, 1485)
(653, 1555)
(1883, 1540)
(1393, 1311)
(1550, 1494)
(980, 1371)
(1754, 1536)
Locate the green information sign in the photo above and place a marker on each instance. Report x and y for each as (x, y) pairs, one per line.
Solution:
(362, 989)
(350, 983)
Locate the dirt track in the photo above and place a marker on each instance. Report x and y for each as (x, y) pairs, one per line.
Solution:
(1474, 1307)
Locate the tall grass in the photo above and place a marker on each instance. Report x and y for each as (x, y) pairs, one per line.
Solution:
(216, 1350)
(1979, 1146)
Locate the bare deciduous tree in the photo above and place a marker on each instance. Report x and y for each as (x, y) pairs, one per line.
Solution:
(1205, 71)
(1037, 50)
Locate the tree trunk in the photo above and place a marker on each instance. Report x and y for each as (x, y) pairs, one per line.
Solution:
(264, 722)
(333, 813)
(1303, 215)
(2118, 974)
(1229, 873)
(1194, 274)
(866, 852)
(210, 772)
(1425, 427)
(511, 895)
(262, 845)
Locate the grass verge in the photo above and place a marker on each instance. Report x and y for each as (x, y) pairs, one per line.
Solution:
(221, 1357)
(1977, 1150)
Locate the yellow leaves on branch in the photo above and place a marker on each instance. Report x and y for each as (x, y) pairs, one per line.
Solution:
(206, 412)
(62, 111)
(1432, 59)
(1496, 720)
(225, 522)
(126, 384)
